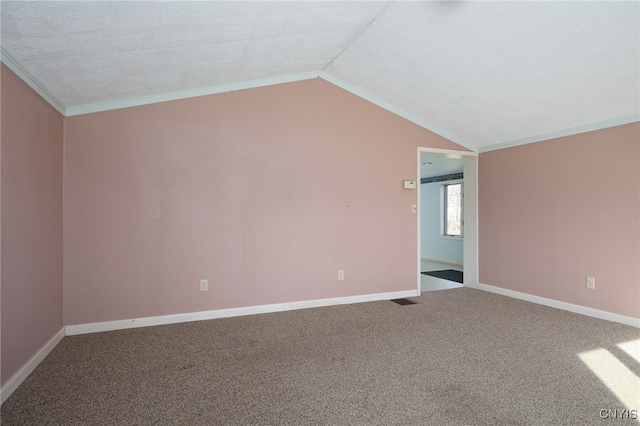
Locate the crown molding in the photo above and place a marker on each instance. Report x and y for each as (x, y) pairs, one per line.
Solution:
(395, 110)
(190, 93)
(619, 121)
(31, 81)
(14, 66)
(41, 90)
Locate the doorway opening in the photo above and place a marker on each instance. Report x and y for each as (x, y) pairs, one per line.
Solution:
(447, 219)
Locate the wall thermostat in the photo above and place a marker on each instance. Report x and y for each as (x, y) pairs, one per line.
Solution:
(409, 184)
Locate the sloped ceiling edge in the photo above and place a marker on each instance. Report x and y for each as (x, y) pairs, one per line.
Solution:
(39, 88)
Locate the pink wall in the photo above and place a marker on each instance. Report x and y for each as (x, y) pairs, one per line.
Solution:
(554, 212)
(264, 192)
(32, 134)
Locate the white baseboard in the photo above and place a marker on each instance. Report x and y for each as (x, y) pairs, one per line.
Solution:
(596, 313)
(97, 327)
(12, 384)
(14, 381)
(439, 259)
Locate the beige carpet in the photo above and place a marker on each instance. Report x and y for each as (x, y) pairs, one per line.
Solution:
(457, 357)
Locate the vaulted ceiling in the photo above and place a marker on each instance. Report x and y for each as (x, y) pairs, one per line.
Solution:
(483, 74)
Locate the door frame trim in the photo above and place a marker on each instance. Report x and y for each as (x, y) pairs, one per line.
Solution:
(470, 245)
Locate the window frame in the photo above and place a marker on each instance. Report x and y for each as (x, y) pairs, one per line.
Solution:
(443, 209)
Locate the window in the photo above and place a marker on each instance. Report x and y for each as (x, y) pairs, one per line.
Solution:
(452, 222)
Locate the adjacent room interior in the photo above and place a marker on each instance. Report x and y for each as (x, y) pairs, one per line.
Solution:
(207, 209)
(441, 221)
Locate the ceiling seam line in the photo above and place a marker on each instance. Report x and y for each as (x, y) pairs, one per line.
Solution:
(357, 37)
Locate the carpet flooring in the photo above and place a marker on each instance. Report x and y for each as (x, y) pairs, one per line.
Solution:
(447, 274)
(456, 357)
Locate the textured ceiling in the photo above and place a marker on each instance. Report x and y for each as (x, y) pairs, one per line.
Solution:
(483, 74)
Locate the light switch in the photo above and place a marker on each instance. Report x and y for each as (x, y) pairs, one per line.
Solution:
(409, 184)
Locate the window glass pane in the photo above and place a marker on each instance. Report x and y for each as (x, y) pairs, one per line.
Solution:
(454, 210)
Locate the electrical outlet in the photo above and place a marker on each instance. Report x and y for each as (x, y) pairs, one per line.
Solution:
(341, 275)
(591, 283)
(204, 285)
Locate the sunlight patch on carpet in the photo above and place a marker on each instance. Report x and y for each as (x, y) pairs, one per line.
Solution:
(632, 348)
(619, 378)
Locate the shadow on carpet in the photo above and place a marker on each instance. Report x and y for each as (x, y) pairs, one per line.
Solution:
(446, 274)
